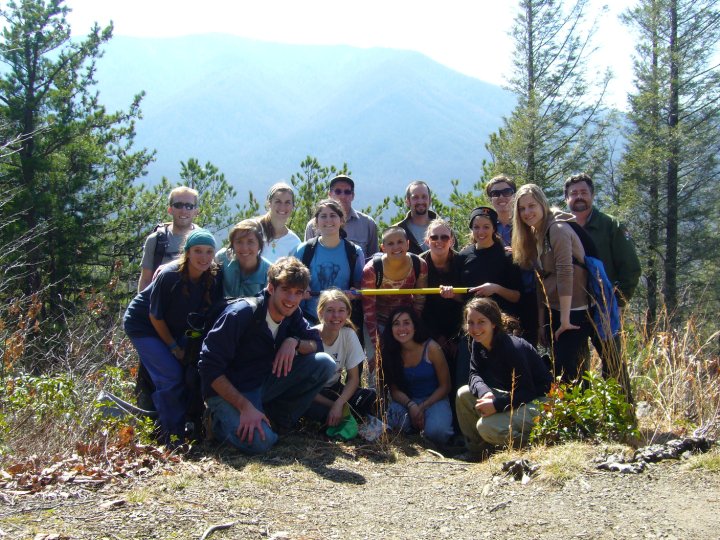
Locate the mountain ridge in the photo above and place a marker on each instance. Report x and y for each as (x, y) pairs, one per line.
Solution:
(256, 109)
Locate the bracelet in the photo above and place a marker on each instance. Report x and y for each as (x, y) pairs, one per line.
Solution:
(173, 346)
(410, 402)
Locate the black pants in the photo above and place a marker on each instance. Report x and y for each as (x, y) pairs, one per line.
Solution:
(571, 351)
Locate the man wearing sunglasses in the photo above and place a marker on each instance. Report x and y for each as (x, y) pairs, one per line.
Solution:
(163, 245)
(359, 228)
(501, 192)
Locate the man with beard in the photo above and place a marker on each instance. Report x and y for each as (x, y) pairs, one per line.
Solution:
(417, 199)
(617, 252)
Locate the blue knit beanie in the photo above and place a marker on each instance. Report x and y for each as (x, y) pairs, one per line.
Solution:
(199, 237)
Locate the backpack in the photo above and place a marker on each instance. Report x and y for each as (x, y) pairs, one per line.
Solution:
(161, 243)
(605, 310)
(378, 267)
(350, 253)
(200, 324)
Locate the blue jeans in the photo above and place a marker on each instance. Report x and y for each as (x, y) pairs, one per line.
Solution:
(438, 419)
(283, 399)
(171, 397)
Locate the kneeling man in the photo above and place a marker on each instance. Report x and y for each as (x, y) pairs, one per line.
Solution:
(260, 363)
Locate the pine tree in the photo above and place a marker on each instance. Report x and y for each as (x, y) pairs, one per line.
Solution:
(670, 168)
(557, 124)
(71, 163)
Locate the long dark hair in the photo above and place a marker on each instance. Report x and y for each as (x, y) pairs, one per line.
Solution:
(392, 367)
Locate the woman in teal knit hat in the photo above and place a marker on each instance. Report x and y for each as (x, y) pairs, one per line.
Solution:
(156, 322)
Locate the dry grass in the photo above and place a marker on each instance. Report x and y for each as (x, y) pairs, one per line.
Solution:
(709, 462)
(677, 374)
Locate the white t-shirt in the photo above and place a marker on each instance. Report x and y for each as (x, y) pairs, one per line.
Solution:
(346, 351)
(272, 325)
(280, 247)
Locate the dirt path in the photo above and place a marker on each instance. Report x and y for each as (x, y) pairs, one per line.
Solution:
(312, 489)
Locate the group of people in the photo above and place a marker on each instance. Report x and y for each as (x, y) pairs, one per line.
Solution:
(459, 362)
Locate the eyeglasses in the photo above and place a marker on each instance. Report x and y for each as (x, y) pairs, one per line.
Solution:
(338, 191)
(436, 237)
(507, 192)
(185, 205)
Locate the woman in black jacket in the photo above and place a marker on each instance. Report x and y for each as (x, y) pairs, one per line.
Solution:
(508, 380)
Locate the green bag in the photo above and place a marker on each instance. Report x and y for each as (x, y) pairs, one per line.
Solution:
(347, 428)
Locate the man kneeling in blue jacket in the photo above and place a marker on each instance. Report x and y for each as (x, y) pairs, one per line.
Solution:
(261, 360)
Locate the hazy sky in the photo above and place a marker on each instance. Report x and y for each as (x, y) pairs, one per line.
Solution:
(470, 36)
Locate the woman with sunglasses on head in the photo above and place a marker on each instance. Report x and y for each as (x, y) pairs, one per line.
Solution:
(244, 270)
(278, 239)
(156, 322)
(542, 240)
(507, 377)
(330, 264)
(416, 373)
(442, 314)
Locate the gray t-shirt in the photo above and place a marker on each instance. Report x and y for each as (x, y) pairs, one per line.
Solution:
(171, 252)
(418, 231)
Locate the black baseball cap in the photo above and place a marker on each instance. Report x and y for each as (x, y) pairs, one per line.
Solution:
(484, 211)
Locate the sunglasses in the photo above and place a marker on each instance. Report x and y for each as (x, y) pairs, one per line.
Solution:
(507, 192)
(185, 205)
(338, 191)
(436, 237)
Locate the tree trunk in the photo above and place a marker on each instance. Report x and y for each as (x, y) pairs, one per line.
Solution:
(671, 231)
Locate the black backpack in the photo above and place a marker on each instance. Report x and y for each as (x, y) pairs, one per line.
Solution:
(161, 243)
(378, 267)
(350, 252)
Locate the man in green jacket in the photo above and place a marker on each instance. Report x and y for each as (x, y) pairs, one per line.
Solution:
(617, 252)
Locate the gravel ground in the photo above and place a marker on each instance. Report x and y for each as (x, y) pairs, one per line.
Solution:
(309, 488)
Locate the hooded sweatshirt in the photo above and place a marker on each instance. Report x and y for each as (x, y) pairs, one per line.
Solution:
(559, 276)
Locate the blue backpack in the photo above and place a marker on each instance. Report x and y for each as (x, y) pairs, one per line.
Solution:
(605, 310)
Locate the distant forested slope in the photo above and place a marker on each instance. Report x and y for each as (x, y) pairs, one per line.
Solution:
(257, 109)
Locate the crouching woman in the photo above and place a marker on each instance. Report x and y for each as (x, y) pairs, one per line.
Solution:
(415, 371)
(508, 379)
(157, 319)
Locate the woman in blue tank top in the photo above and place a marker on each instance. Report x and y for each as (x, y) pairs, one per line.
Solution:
(417, 375)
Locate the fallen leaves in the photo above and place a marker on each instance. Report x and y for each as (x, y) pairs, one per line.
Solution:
(90, 465)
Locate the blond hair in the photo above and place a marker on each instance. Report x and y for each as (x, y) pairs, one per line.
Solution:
(524, 238)
(181, 190)
(335, 295)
